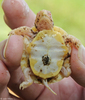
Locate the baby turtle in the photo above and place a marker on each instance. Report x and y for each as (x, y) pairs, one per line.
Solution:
(46, 53)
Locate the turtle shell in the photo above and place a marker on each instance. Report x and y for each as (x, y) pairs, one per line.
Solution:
(46, 55)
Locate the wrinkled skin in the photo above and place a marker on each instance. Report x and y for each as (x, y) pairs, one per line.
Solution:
(10, 71)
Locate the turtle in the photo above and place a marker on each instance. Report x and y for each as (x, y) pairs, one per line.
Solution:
(46, 52)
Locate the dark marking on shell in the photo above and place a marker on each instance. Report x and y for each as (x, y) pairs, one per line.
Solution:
(46, 60)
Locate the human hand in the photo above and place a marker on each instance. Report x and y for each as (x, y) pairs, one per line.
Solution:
(10, 71)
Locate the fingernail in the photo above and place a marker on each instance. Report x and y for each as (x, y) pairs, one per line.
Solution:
(81, 53)
(5, 47)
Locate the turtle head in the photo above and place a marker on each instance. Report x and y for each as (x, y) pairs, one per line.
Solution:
(44, 20)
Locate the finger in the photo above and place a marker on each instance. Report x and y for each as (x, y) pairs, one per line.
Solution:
(65, 88)
(12, 50)
(4, 76)
(17, 13)
(78, 65)
(4, 79)
(30, 93)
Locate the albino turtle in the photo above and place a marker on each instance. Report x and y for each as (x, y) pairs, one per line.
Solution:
(46, 53)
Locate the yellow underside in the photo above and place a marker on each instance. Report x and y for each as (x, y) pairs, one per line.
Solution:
(40, 74)
(39, 36)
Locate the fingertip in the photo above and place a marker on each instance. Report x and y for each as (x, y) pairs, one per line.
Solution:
(4, 75)
(4, 79)
(17, 13)
(13, 52)
(77, 67)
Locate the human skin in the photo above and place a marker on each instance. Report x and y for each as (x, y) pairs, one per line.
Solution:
(71, 88)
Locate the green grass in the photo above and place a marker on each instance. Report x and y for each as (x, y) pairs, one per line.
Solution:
(3, 27)
(67, 14)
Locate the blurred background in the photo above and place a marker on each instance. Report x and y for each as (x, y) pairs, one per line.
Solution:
(67, 14)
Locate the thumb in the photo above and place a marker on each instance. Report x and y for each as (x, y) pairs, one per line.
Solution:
(78, 65)
(11, 51)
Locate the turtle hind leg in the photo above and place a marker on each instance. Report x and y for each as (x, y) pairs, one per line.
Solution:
(25, 84)
(66, 68)
(28, 81)
(25, 67)
(46, 84)
(26, 71)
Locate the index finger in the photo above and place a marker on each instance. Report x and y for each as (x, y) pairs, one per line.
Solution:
(17, 13)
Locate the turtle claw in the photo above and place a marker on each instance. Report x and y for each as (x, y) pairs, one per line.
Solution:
(24, 85)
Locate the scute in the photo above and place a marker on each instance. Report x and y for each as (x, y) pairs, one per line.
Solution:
(46, 53)
(60, 30)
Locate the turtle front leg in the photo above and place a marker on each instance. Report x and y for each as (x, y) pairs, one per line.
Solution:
(26, 71)
(22, 31)
(70, 41)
